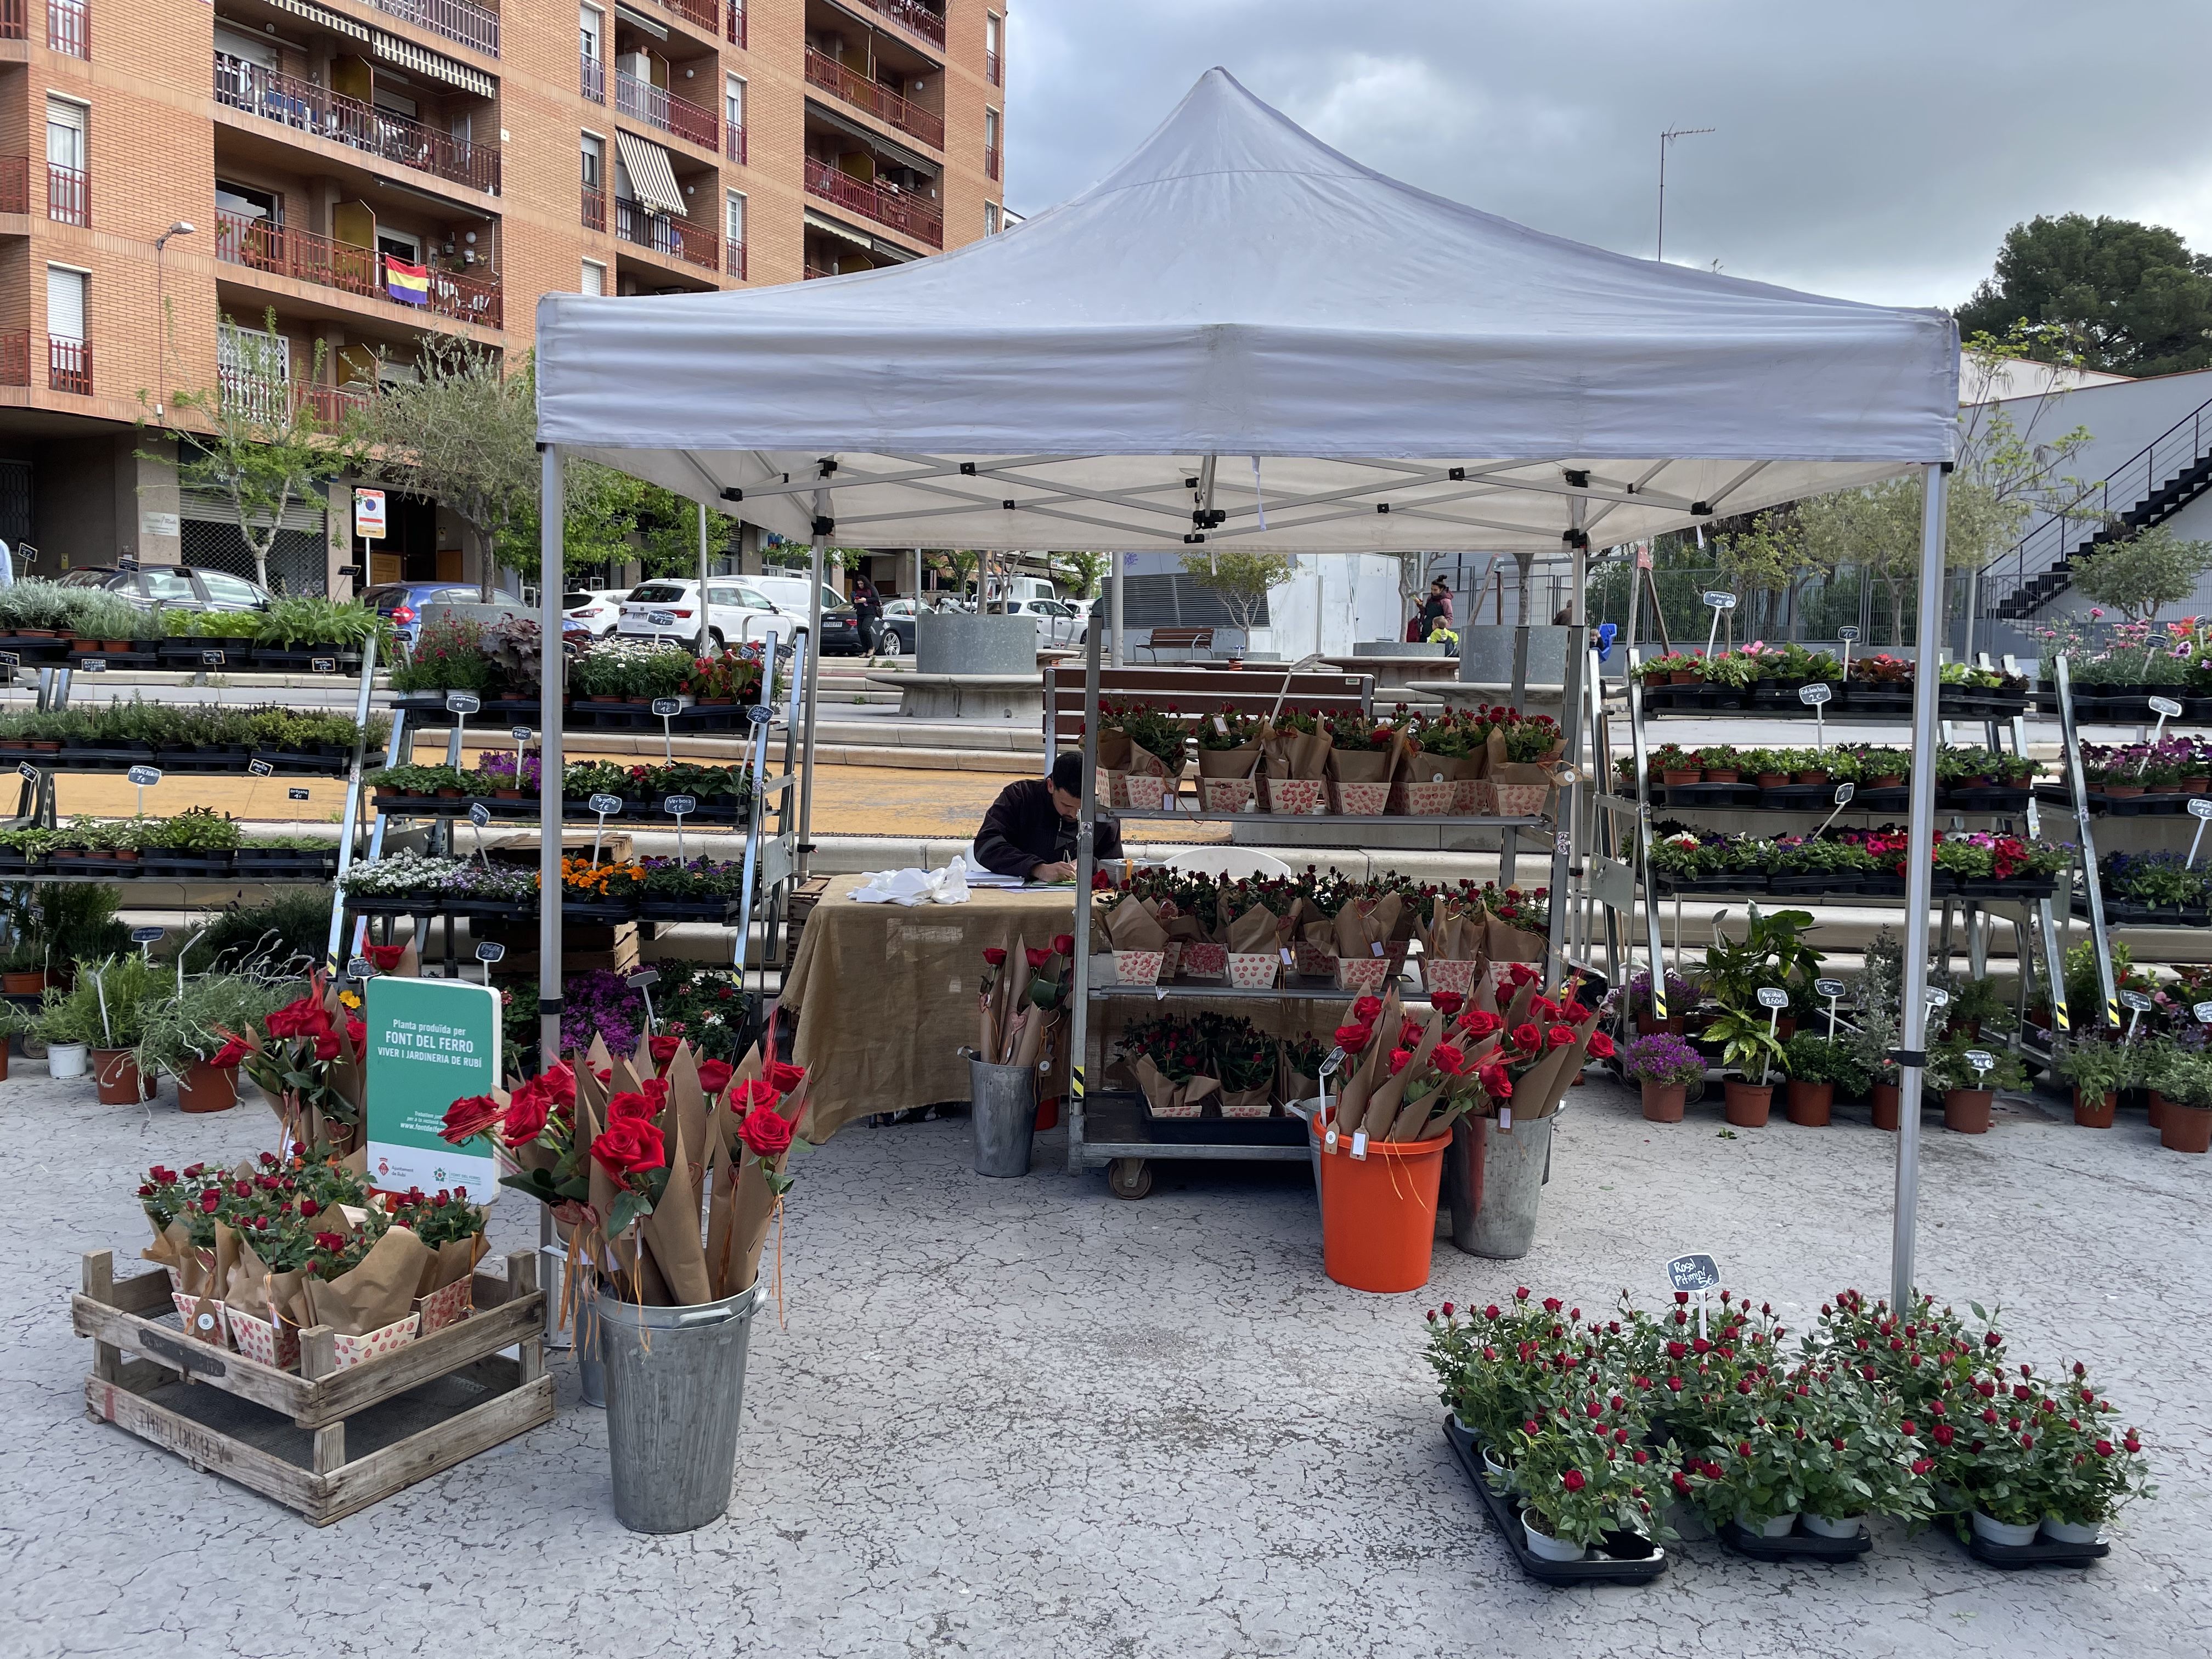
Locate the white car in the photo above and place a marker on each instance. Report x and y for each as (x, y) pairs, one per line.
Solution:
(595, 611)
(1057, 623)
(739, 608)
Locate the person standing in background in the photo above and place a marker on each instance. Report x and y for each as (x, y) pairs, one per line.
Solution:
(7, 565)
(868, 611)
(1437, 609)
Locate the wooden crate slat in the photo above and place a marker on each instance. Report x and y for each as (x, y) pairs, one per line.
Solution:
(394, 1468)
(480, 1334)
(202, 1447)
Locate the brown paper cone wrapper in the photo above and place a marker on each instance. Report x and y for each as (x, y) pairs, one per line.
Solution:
(722, 1217)
(1362, 765)
(1238, 763)
(755, 1205)
(377, 1292)
(1504, 944)
(672, 1230)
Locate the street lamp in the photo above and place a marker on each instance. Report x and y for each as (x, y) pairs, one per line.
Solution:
(182, 228)
(1665, 139)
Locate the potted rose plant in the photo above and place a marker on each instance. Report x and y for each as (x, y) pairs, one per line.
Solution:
(1665, 1064)
(2095, 1466)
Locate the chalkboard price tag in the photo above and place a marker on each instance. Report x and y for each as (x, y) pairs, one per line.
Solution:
(663, 707)
(520, 733)
(148, 935)
(1980, 1058)
(2199, 807)
(1815, 694)
(11, 659)
(1331, 1066)
(1938, 997)
(660, 619)
(2204, 1012)
(296, 794)
(94, 664)
(144, 776)
(605, 806)
(479, 814)
(1847, 634)
(676, 805)
(1694, 1273)
(323, 664)
(643, 977)
(359, 968)
(491, 949)
(1773, 996)
(760, 714)
(27, 772)
(1720, 601)
(1829, 987)
(1844, 791)
(462, 702)
(2166, 706)
(259, 768)
(2135, 1001)
(211, 658)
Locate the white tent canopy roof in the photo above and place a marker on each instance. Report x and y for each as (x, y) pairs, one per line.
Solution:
(1371, 368)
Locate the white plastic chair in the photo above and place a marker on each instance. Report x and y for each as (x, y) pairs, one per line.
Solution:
(1232, 861)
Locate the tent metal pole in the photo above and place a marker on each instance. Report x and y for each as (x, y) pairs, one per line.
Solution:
(813, 683)
(552, 509)
(1121, 564)
(1919, 881)
(705, 626)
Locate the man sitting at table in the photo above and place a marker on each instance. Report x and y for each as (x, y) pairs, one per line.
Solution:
(1029, 830)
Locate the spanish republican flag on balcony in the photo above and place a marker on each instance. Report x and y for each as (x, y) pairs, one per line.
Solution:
(409, 284)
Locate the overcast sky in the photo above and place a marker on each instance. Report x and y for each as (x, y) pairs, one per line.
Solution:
(1874, 149)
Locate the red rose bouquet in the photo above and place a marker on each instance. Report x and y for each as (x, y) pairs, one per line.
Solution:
(306, 1061)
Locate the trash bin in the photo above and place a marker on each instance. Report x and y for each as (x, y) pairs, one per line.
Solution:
(1003, 1117)
(1493, 1182)
(675, 1390)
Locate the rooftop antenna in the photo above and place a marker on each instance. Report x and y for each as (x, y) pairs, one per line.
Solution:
(1665, 139)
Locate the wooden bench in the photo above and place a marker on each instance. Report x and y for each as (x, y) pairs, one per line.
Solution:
(1197, 691)
(1177, 639)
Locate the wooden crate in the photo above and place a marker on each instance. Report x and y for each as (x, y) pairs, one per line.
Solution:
(420, 1409)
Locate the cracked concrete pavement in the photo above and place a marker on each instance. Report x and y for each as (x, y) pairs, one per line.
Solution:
(1015, 1418)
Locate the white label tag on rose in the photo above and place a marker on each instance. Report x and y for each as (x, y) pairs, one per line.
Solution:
(1375, 947)
(1221, 725)
(1329, 1139)
(1359, 1144)
(1286, 956)
(1505, 1120)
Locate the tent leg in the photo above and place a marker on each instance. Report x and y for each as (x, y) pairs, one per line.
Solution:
(552, 509)
(706, 624)
(1120, 563)
(813, 683)
(1912, 1019)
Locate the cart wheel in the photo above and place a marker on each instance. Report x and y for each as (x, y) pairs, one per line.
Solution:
(1128, 1178)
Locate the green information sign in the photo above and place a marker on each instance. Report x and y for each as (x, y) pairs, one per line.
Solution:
(431, 1041)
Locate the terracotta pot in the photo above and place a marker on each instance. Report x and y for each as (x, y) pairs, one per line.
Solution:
(1785, 1027)
(113, 646)
(1972, 1028)
(1809, 1103)
(1645, 1025)
(117, 1075)
(1812, 777)
(450, 795)
(1663, 1102)
(2195, 785)
(1887, 1108)
(1672, 779)
(1887, 780)
(1723, 775)
(1749, 1104)
(1966, 1111)
(23, 984)
(1047, 1115)
(2185, 1128)
(3, 1062)
(1684, 679)
(506, 794)
(2121, 791)
(1773, 779)
(2157, 1109)
(125, 855)
(202, 1088)
(2098, 1116)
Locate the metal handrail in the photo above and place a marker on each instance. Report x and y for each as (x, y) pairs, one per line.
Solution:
(929, 25)
(283, 250)
(857, 90)
(293, 102)
(15, 184)
(456, 20)
(665, 234)
(657, 107)
(900, 212)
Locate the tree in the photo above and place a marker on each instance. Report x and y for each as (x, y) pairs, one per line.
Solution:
(2127, 297)
(2137, 576)
(1242, 580)
(463, 432)
(1082, 572)
(1770, 556)
(263, 450)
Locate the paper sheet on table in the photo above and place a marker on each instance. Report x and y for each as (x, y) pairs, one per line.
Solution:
(912, 886)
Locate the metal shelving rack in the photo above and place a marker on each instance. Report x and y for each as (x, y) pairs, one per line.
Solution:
(1114, 1128)
(771, 851)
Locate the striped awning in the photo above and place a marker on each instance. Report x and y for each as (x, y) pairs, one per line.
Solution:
(337, 22)
(437, 66)
(652, 174)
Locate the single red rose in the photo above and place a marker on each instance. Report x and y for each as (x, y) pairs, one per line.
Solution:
(1365, 1010)
(384, 958)
(1480, 1022)
(1559, 1036)
(560, 1082)
(1573, 1480)
(309, 1208)
(211, 1200)
(1037, 958)
(1496, 1083)
(1527, 1037)
(765, 1131)
(466, 1119)
(782, 1077)
(627, 1145)
(655, 1090)
(328, 1046)
(1447, 1003)
(1601, 1046)
(632, 1105)
(715, 1075)
(1063, 945)
(1399, 1059)
(231, 1054)
(996, 956)
(356, 1034)
(1354, 1038)
(663, 1048)
(1449, 1060)
(526, 1112)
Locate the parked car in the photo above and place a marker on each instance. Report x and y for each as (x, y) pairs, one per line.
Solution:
(402, 604)
(1057, 625)
(172, 587)
(897, 636)
(594, 612)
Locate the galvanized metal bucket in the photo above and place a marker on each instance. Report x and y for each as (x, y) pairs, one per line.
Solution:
(1493, 1181)
(1002, 1117)
(590, 1369)
(676, 1390)
(1308, 1110)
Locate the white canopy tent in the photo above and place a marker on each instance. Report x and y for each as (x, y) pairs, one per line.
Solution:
(1241, 336)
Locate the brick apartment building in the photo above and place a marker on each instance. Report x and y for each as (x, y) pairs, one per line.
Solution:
(323, 152)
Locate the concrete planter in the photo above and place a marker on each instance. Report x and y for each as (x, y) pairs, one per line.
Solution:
(953, 642)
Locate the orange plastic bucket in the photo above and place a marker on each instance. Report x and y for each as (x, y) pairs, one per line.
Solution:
(1378, 1214)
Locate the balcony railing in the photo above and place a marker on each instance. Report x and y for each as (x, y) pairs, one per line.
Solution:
(258, 395)
(14, 357)
(595, 80)
(733, 141)
(68, 365)
(68, 29)
(643, 101)
(307, 258)
(595, 208)
(734, 259)
(15, 184)
(812, 271)
(456, 20)
(857, 90)
(69, 195)
(737, 22)
(666, 234)
(929, 25)
(906, 213)
(12, 27)
(991, 70)
(991, 161)
(306, 108)
(705, 13)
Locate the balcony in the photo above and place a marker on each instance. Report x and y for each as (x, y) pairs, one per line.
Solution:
(14, 357)
(734, 259)
(15, 185)
(733, 142)
(305, 107)
(307, 258)
(812, 271)
(68, 365)
(456, 20)
(991, 161)
(594, 80)
(879, 100)
(929, 25)
(700, 14)
(666, 234)
(69, 195)
(12, 27)
(266, 399)
(991, 70)
(595, 208)
(902, 213)
(737, 22)
(69, 30)
(643, 101)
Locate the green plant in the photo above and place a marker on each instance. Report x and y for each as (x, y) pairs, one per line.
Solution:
(195, 830)
(1948, 1068)
(1772, 952)
(103, 616)
(189, 1023)
(428, 780)
(1159, 732)
(1811, 1058)
(2098, 1069)
(1746, 1038)
(630, 668)
(448, 656)
(109, 1006)
(223, 624)
(314, 620)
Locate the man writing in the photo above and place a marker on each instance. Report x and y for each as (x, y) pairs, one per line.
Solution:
(1029, 830)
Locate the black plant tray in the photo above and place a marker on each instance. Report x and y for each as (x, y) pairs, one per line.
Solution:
(81, 756)
(1989, 887)
(1640, 1568)
(2118, 806)
(1719, 886)
(719, 717)
(462, 905)
(598, 910)
(296, 760)
(395, 904)
(1812, 886)
(147, 658)
(14, 863)
(282, 657)
(1285, 1131)
(202, 760)
(2126, 913)
(267, 867)
(1798, 1546)
(1981, 800)
(1707, 794)
(154, 867)
(673, 910)
(610, 716)
(37, 650)
(2044, 1553)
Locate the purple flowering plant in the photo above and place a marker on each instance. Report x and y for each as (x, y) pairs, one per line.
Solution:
(600, 1003)
(1665, 1059)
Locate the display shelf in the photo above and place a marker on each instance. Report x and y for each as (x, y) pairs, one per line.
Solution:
(1456, 821)
(1294, 988)
(1124, 1128)
(1847, 700)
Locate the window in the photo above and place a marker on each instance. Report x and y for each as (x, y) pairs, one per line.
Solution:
(66, 291)
(733, 116)
(595, 278)
(68, 192)
(990, 143)
(592, 24)
(733, 228)
(595, 161)
(244, 201)
(990, 218)
(224, 589)
(167, 585)
(994, 40)
(722, 596)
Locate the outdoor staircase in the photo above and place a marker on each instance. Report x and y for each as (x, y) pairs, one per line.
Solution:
(2171, 470)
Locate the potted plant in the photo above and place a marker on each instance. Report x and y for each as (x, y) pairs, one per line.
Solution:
(1969, 1090)
(23, 965)
(15, 1021)
(1746, 1040)
(1765, 767)
(1818, 1066)
(107, 1011)
(1574, 1485)
(2098, 1071)
(1883, 769)
(186, 1034)
(2093, 1467)
(1720, 763)
(1681, 995)
(1665, 1064)
(2184, 1082)
(1676, 766)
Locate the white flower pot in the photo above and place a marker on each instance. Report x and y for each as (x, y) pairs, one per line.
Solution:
(1823, 1526)
(1772, 1525)
(65, 1059)
(1992, 1531)
(2071, 1532)
(1491, 1463)
(1545, 1547)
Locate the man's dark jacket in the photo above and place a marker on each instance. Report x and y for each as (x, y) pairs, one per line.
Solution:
(1023, 830)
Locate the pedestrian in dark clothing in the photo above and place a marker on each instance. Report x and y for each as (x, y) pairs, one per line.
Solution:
(1030, 830)
(868, 613)
(1437, 609)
